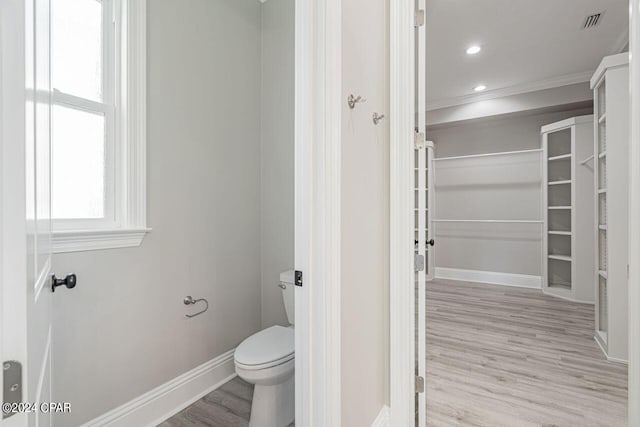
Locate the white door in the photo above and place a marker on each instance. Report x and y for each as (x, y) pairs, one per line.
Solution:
(26, 206)
(423, 204)
(424, 260)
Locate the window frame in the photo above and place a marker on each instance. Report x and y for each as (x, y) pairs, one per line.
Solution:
(124, 108)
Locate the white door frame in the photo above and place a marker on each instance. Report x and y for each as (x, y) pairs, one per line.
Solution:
(401, 296)
(634, 216)
(3, 137)
(25, 306)
(12, 184)
(318, 80)
(401, 263)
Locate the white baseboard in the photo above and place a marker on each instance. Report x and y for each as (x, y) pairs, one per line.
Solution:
(162, 402)
(610, 359)
(492, 277)
(382, 420)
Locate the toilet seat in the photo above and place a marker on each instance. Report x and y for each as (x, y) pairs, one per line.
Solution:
(270, 347)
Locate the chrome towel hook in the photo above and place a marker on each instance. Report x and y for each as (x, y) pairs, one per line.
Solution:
(352, 101)
(377, 117)
(188, 300)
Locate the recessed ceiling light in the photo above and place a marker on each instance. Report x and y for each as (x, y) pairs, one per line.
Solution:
(472, 50)
(479, 88)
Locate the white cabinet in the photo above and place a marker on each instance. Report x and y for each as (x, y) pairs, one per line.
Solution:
(610, 84)
(568, 198)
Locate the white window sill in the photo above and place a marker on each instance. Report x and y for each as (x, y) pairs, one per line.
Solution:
(91, 240)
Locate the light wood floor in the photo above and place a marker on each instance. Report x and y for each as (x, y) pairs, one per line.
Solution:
(496, 357)
(508, 357)
(227, 406)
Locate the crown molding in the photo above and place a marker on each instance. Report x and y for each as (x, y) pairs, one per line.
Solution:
(622, 42)
(611, 61)
(550, 83)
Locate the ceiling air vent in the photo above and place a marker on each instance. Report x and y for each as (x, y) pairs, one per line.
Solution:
(592, 20)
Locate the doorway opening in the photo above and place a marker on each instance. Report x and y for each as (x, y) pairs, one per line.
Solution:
(526, 317)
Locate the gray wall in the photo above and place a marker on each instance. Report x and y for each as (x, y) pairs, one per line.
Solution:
(277, 163)
(505, 187)
(365, 212)
(121, 331)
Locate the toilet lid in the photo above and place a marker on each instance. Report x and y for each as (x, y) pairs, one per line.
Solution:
(267, 346)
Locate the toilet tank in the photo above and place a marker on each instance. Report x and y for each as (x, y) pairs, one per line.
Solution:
(288, 294)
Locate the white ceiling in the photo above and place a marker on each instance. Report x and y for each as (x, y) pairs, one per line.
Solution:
(526, 45)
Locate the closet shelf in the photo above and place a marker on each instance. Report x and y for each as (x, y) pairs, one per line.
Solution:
(611, 98)
(496, 221)
(568, 202)
(560, 257)
(471, 156)
(564, 156)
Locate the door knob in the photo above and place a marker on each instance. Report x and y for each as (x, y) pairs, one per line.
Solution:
(69, 281)
(431, 242)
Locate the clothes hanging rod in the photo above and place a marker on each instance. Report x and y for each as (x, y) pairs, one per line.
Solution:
(470, 156)
(495, 221)
(584, 162)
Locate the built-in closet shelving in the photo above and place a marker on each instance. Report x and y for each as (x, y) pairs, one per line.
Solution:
(610, 85)
(568, 196)
(423, 192)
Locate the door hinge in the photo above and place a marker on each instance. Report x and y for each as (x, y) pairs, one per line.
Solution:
(418, 18)
(419, 140)
(419, 262)
(11, 385)
(419, 384)
(298, 278)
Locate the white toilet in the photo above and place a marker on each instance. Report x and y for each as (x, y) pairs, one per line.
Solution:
(266, 359)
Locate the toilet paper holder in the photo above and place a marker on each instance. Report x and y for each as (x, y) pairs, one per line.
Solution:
(188, 300)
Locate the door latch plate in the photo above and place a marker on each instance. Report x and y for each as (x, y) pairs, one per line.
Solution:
(11, 384)
(419, 140)
(418, 18)
(298, 278)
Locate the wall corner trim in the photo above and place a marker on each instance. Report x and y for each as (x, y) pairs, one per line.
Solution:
(156, 405)
(491, 277)
(382, 420)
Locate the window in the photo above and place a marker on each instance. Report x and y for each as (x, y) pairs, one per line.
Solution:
(98, 123)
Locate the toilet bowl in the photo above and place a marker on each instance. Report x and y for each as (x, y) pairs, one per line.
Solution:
(266, 359)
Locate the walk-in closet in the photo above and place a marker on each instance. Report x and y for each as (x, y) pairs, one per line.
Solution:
(522, 213)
